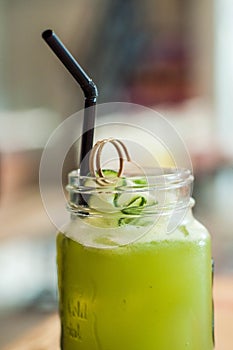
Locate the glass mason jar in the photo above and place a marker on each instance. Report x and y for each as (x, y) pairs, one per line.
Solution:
(134, 266)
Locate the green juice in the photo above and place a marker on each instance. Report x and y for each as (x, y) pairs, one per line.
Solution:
(147, 295)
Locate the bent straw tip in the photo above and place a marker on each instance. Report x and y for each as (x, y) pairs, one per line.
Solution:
(47, 34)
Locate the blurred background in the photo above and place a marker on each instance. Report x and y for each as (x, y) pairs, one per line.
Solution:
(174, 56)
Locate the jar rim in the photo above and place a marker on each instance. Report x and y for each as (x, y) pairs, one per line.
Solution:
(157, 178)
(157, 191)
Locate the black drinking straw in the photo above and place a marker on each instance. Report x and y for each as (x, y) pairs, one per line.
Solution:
(90, 92)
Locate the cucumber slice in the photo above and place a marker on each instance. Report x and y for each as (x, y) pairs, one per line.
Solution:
(141, 181)
(140, 221)
(102, 202)
(103, 222)
(112, 175)
(125, 208)
(129, 200)
(108, 174)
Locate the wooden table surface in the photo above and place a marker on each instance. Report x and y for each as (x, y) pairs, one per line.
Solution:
(46, 335)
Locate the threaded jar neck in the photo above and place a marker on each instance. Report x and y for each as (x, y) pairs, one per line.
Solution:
(163, 189)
